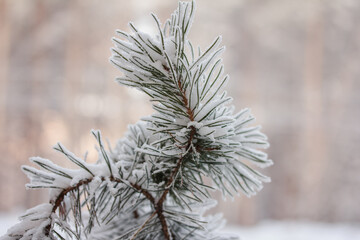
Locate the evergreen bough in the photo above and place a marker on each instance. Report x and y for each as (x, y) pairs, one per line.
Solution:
(155, 183)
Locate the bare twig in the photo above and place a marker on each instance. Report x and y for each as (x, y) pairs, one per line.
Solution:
(142, 226)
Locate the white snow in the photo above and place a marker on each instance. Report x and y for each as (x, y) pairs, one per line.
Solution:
(33, 221)
(297, 230)
(267, 230)
(197, 125)
(93, 185)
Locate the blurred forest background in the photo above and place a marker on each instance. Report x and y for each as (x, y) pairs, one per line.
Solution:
(296, 64)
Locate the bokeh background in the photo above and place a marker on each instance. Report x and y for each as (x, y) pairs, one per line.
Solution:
(296, 64)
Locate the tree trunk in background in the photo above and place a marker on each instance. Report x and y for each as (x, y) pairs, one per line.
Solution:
(4, 64)
(313, 137)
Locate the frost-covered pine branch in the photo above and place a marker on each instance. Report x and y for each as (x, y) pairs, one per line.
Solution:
(156, 182)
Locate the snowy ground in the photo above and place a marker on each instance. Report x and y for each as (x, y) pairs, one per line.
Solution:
(6, 221)
(297, 230)
(267, 230)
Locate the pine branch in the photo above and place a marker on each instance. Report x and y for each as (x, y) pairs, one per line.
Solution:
(60, 198)
(158, 168)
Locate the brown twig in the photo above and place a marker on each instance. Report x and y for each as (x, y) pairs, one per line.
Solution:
(60, 198)
(142, 226)
(157, 205)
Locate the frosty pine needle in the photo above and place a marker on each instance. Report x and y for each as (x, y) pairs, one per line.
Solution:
(156, 182)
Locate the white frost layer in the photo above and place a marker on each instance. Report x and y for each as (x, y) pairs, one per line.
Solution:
(32, 224)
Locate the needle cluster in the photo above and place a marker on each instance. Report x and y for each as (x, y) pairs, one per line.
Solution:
(156, 182)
